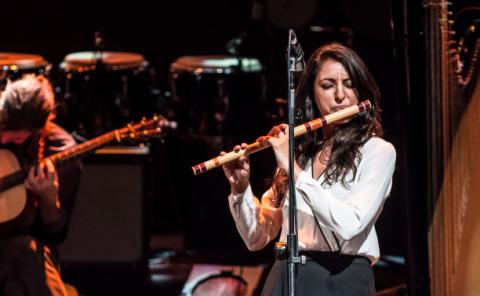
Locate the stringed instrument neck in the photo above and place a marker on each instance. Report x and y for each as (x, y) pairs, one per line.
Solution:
(14, 196)
(18, 177)
(80, 149)
(12, 180)
(143, 128)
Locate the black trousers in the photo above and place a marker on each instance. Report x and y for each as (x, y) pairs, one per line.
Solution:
(325, 274)
(28, 268)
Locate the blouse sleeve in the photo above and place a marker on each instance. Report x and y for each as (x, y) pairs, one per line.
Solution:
(257, 222)
(351, 216)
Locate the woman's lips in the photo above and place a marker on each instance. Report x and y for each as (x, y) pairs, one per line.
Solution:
(338, 108)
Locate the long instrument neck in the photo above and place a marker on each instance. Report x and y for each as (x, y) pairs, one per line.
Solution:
(17, 178)
(82, 148)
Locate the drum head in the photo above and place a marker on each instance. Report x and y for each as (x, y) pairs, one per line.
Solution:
(221, 284)
(215, 64)
(20, 61)
(87, 60)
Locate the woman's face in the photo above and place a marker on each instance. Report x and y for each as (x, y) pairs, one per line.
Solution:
(333, 88)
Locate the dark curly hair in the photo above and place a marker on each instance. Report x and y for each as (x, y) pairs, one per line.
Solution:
(349, 137)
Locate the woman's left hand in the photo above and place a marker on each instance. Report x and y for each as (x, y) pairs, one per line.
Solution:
(277, 137)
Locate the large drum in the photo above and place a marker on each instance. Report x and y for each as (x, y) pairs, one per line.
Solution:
(218, 95)
(14, 65)
(224, 284)
(103, 90)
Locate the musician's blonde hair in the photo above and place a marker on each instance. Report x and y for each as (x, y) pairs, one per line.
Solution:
(27, 104)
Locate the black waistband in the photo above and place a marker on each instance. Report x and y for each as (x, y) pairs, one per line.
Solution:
(333, 256)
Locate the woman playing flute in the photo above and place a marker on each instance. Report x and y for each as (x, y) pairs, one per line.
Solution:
(343, 175)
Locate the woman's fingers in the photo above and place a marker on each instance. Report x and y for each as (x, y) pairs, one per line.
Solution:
(245, 171)
(239, 167)
(279, 140)
(240, 147)
(283, 127)
(276, 132)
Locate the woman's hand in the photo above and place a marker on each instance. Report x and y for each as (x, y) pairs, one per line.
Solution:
(44, 183)
(277, 137)
(238, 171)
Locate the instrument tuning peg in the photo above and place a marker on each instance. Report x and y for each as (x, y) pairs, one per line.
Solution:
(131, 128)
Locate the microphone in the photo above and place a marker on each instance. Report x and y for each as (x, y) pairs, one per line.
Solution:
(296, 52)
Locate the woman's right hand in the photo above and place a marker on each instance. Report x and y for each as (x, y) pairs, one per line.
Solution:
(238, 171)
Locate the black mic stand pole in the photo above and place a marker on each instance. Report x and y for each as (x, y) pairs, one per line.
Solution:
(98, 50)
(292, 239)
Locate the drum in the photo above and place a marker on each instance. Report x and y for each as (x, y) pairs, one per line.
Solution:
(225, 284)
(218, 95)
(14, 65)
(102, 91)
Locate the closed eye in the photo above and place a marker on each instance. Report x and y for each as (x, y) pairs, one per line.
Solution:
(326, 85)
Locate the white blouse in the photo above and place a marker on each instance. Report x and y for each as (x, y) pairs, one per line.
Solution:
(345, 217)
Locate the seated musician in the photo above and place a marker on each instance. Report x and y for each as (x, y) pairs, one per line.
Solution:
(28, 261)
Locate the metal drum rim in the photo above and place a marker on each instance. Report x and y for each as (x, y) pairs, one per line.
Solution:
(76, 63)
(25, 61)
(192, 64)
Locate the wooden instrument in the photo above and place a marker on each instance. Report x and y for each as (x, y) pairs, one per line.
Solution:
(13, 194)
(298, 131)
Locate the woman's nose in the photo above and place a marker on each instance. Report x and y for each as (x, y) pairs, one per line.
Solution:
(339, 94)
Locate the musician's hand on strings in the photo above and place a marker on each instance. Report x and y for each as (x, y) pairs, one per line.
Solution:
(43, 181)
(238, 171)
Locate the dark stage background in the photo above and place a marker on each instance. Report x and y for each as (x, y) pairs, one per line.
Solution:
(162, 31)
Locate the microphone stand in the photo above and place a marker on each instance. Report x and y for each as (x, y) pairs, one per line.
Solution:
(98, 52)
(292, 238)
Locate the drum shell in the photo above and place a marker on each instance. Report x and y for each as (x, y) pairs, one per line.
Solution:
(218, 102)
(100, 99)
(226, 284)
(15, 65)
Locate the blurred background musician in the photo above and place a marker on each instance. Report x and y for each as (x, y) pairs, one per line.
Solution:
(28, 261)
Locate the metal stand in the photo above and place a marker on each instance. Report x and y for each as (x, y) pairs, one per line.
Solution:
(294, 56)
